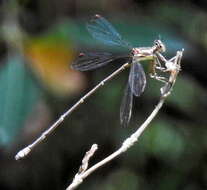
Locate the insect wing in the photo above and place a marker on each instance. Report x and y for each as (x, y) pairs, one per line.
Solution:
(92, 60)
(126, 106)
(137, 79)
(103, 31)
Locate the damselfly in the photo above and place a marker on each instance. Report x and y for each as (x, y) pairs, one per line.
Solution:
(103, 31)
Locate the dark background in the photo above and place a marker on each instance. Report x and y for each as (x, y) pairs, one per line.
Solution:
(40, 39)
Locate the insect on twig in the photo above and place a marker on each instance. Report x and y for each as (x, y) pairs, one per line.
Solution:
(102, 30)
(172, 67)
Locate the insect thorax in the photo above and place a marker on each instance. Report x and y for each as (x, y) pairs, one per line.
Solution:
(143, 54)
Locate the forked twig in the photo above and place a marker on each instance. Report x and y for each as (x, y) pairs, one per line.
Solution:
(86, 158)
(173, 67)
(78, 179)
(24, 152)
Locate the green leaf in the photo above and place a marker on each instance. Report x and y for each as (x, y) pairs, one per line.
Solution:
(185, 94)
(163, 140)
(18, 94)
(121, 180)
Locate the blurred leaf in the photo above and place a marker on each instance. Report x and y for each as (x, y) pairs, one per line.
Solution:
(18, 94)
(184, 95)
(162, 139)
(194, 28)
(50, 55)
(168, 183)
(108, 98)
(121, 180)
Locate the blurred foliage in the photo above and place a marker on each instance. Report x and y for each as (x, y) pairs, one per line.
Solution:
(18, 94)
(50, 55)
(42, 38)
(128, 181)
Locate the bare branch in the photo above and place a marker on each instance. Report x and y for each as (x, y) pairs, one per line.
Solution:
(86, 158)
(77, 179)
(125, 146)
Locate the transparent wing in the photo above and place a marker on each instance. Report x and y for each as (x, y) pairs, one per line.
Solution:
(126, 106)
(92, 60)
(103, 31)
(137, 79)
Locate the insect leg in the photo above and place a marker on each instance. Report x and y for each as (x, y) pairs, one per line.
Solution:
(153, 67)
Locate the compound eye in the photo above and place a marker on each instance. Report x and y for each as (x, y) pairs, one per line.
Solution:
(156, 43)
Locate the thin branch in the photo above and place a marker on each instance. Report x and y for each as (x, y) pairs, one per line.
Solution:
(24, 152)
(79, 177)
(86, 158)
(84, 165)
